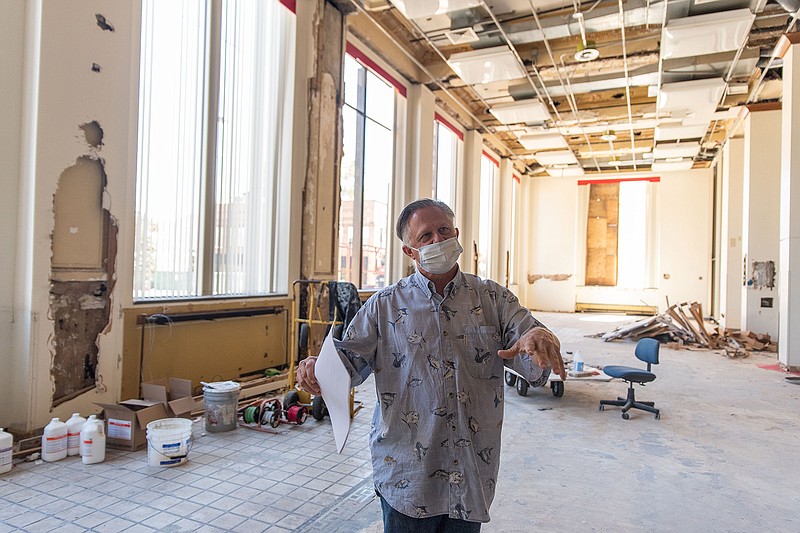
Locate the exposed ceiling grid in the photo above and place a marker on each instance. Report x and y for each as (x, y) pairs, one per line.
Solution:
(570, 87)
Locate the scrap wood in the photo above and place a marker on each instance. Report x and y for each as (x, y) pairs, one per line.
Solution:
(686, 328)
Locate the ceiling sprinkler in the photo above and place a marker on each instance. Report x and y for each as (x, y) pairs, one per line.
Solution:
(586, 49)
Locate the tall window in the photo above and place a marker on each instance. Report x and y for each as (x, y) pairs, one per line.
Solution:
(489, 170)
(365, 225)
(214, 157)
(446, 154)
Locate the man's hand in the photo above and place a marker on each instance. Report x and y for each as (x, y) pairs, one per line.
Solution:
(543, 347)
(305, 377)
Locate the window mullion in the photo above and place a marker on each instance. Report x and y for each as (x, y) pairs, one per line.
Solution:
(358, 203)
(208, 190)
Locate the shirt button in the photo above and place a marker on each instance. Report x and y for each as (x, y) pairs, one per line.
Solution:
(444, 333)
(451, 395)
(455, 462)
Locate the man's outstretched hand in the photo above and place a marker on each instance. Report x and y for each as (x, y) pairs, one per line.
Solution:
(543, 347)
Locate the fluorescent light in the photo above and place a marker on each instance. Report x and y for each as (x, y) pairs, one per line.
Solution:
(695, 99)
(711, 33)
(546, 141)
(666, 166)
(557, 157)
(674, 132)
(664, 151)
(527, 111)
(565, 172)
(426, 8)
(486, 65)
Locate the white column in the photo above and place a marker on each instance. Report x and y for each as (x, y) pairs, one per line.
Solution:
(730, 286)
(421, 110)
(760, 219)
(789, 286)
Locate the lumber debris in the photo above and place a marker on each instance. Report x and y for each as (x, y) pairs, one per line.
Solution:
(683, 327)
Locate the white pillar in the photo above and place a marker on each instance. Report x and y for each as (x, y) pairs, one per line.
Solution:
(789, 286)
(730, 286)
(421, 110)
(469, 194)
(760, 220)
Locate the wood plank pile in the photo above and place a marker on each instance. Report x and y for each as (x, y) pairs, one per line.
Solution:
(685, 328)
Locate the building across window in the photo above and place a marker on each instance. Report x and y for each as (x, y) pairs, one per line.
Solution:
(214, 153)
(367, 170)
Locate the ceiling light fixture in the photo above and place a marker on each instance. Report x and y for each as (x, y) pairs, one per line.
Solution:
(426, 8)
(685, 149)
(486, 65)
(609, 135)
(531, 111)
(543, 141)
(663, 166)
(586, 49)
(557, 157)
(711, 33)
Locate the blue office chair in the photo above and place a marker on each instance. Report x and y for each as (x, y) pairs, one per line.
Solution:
(647, 351)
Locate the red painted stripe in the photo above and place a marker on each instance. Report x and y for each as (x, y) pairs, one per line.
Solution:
(491, 158)
(515, 178)
(654, 179)
(444, 122)
(372, 65)
(291, 5)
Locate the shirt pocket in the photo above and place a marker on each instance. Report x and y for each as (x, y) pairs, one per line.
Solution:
(481, 356)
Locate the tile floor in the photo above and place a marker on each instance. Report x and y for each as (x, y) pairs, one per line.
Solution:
(723, 457)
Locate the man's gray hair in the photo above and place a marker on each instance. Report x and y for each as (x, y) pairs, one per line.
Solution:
(410, 209)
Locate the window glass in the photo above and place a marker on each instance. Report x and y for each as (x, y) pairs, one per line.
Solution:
(214, 155)
(446, 152)
(632, 234)
(366, 176)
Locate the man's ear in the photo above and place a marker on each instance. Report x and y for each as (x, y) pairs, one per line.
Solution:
(409, 252)
(456, 233)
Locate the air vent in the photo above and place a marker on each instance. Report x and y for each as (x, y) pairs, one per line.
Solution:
(467, 35)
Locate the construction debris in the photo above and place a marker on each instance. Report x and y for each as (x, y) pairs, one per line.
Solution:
(682, 326)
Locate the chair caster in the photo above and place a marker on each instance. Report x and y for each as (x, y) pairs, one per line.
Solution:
(602, 407)
(658, 416)
(625, 416)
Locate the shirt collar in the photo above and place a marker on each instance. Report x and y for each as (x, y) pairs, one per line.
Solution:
(429, 289)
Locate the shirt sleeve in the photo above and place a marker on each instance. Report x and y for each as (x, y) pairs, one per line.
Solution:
(359, 344)
(515, 320)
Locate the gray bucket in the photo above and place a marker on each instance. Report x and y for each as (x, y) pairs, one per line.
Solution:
(221, 399)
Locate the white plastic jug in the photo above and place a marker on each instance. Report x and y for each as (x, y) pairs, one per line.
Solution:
(74, 426)
(93, 441)
(54, 441)
(6, 448)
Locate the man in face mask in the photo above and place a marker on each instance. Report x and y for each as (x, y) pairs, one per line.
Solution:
(437, 342)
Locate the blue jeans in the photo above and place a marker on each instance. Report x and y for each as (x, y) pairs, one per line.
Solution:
(397, 522)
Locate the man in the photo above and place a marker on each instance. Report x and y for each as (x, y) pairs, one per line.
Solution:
(437, 341)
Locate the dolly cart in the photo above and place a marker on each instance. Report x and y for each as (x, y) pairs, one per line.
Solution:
(310, 297)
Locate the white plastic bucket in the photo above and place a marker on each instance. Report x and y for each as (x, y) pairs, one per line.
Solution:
(221, 399)
(168, 441)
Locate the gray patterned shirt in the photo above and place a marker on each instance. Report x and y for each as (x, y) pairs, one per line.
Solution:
(435, 435)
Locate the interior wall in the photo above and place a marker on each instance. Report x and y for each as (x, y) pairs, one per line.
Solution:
(761, 221)
(556, 239)
(730, 300)
(12, 41)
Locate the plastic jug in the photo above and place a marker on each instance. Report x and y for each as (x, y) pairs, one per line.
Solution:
(6, 448)
(74, 426)
(577, 362)
(54, 441)
(93, 441)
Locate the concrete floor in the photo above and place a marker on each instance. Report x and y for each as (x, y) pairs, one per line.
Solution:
(723, 457)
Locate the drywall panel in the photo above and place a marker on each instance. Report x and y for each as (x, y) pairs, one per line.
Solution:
(730, 298)
(548, 243)
(685, 224)
(761, 221)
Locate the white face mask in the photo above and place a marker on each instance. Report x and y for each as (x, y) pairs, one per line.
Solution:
(439, 257)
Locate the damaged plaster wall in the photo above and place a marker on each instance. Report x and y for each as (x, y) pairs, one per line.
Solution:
(84, 250)
(320, 195)
(75, 73)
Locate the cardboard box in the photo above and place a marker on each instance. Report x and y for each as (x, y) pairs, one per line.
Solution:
(126, 422)
(175, 393)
